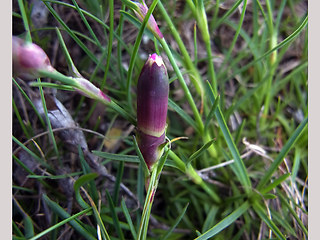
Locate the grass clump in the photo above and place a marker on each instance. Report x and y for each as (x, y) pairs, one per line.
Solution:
(234, 164)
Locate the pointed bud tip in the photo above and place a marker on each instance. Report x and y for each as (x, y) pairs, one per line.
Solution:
(154, 58)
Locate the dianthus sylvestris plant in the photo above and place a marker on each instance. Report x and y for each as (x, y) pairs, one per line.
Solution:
(152, 105)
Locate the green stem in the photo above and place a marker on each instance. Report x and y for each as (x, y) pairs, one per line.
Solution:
(73, 82)
(183, 84)
(272, 61)
(109, 43)
(45, 110)
(194, 75)
(25, 20)
(153, 184)
(194, 176)
(203, 26)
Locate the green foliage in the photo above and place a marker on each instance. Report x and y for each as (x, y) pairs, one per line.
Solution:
(235, 161)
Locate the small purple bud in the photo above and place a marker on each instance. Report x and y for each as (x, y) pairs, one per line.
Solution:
(141, 14)
(152, 106)
(28, 59)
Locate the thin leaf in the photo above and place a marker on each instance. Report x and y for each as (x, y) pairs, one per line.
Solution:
(294, 214)
(183, 114)
(199, 152)
(29, 101)
(45, 110)
(147, 206)
(142, 162)
(64, 215)
(55, 176)
(74, 37)
(162, 161)
(52, 85)
(28, 226)
(211, 113)
(117, 157)
(110, 42)
(94, 18)
(210, 218)
(114, 215)
(176, 222)
(228, 13)
(40, 160)
(260, 211)
(285, 42)
(87, 24)
(128, 218)
(59, 224)
(16, 230)
(227, 221)
(118, 182)
(284, 151)
(275, 183)
(80, 182)
(241, 171)
(86, 170)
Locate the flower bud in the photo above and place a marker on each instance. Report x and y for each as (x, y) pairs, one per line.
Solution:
(141, 12)
(152, 105)
(28, 59)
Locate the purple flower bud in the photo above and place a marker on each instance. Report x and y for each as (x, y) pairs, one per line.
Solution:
(141, 14)
(152, 97)
(28, 59)
(152, 105)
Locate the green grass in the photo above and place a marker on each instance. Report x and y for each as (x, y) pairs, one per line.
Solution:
(238, 111)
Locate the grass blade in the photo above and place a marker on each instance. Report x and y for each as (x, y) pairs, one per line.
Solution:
(199, 152)
(241, 171)
(128, 218)
(259, 210)
(211, 113)
(275, 183)
(59, 224)
(64, 215)
(183, 114)
(114, 215)
(80, 182)
(142, 162)
(176, 222)
(117, 157)
(284, 151)
(231, 218)
(294, 214)
(70, 32)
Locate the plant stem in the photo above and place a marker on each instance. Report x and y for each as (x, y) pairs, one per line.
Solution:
(203, 26)
(25, 20)
(194, 75)
(194, 175)
(183, 84)
(272, 61)
(73, 82)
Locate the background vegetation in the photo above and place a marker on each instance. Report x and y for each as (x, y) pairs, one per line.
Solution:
(238, 104)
